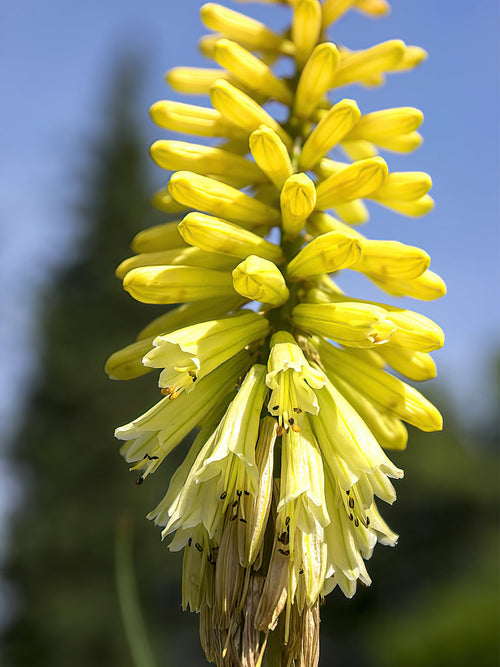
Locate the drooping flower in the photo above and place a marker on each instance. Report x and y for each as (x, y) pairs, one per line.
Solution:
(284, 380)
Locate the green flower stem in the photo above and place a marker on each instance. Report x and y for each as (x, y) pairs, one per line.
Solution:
(128, 599)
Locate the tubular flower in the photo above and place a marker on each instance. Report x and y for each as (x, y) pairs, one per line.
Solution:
(283, 381)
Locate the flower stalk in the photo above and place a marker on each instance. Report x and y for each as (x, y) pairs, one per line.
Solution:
(286, 382)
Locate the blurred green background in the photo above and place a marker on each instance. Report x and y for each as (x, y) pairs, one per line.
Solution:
(434, 599)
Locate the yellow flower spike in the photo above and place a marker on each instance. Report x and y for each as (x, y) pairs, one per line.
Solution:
(427, 287)
(386, 124)
(391, 259)
(317, 77)
(331, 129)
(393, 395)
(217, 236)
(324, 254)
(214, 197)
(176, 284)
(164, 201)
(242, 110)
(126, 364)
(348, 322)
(306, 28)
(404, 186)
(417, 366)
(191, 119)
(271, 154)
(158, 237)
(175, 257)
(261, 545)
(190, 313)
(195, 80)
(173, 155)
(187, 355)
(297, 199)
(248, 32)
(360, 179)
(414, 209)
(360, 65)
(251, 71)
(333, 9)
(259, 279)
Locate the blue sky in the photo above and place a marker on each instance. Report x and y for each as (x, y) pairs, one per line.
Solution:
(57, 58)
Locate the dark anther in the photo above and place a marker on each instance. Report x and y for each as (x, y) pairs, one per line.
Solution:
(243, 521)
(356, 522)
(276, 407)
(190, 541)
(247, 493)
(367, 520)
(351, 517)
(301, 571)
(287, 521)
(238, 493)
(291, 421)
(151, 458)
(348, 491)
(223, 495)
(284, 538)
(351, 502)
(198, 546)
(235, 504)
(139, 481)
(234, 517)
(285, 553)
(297, 411)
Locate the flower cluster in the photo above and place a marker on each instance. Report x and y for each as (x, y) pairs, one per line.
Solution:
(281, 375)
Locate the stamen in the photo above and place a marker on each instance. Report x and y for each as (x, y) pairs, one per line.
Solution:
(223, 495)
(198, 546)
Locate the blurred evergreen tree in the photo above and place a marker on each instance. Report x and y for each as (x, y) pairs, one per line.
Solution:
(61, 560)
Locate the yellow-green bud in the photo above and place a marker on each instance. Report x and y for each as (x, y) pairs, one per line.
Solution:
(217, 236)
(297, 199)
(260, 280)
(271, 154)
